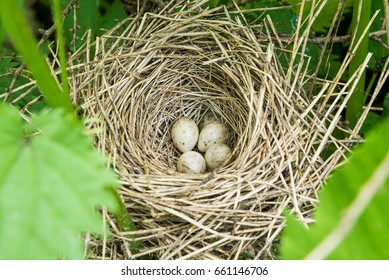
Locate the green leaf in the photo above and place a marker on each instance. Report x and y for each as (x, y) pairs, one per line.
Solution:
(17, 28)
(7, 64)
(57, 15)
(216, 3)
(87, 17)
(114, 12)
(371, 121)
(325, 17)
(3, 33)
(359, 23)
(352, 216)
(51, 183)
(330, 65)
(376, 48)
(285, 20)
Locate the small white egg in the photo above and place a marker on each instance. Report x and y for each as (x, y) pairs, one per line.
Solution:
(185, 134)
(191, 162)
(207, 119)
(213, 133)
(216, 155)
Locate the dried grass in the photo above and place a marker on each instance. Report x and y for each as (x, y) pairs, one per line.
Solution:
(142, 75)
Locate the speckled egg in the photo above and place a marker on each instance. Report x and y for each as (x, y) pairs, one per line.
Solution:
(185, 134)
(207, 119)
(213, 133)
(191, 162)
(216, 155)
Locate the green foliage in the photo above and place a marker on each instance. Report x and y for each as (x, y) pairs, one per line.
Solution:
(324, 19)
(351, 220)
(7, 64)
(354, 107)
(371, 121)
(358, 25)
(57, 11)
(3, 33)
(376, 48)
(284, 19)
(25, 43)
(330, 69)
(216, 3)
(89, 17)
(50, 185)
(51, 179)
(114, 12)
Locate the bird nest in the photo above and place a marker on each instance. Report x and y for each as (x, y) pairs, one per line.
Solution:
(188, 61)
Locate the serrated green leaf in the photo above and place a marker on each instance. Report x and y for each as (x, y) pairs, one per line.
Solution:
(352, 220)
(6, 80)
(6, 64)
(50, 186)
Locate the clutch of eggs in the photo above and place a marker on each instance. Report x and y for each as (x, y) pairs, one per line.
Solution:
(211, 140)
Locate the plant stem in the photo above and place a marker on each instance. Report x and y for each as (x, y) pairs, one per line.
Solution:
(360, 19)
(126, 224)
(61, 46)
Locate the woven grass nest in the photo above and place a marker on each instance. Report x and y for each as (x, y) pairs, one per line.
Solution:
(187, 61)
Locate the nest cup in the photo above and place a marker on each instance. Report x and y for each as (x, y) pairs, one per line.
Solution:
(185, 62)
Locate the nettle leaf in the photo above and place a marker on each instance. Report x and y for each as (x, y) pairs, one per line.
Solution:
(51, 183)
(6, 64)
(352, 216)
(7, 67)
